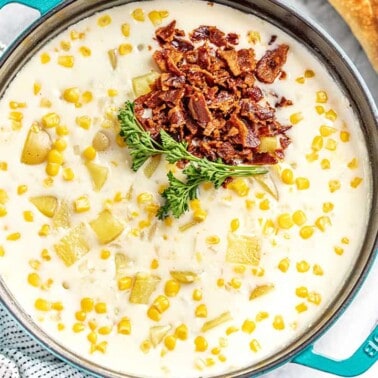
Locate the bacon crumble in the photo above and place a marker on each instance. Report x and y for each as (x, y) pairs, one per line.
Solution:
(207, 96)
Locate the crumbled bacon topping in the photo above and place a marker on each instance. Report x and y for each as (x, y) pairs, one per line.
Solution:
(207, 95)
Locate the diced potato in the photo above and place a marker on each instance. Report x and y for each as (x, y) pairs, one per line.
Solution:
(47, 205)
(243, 249)
(99, 175)
(141, 84)
(184, 277)
(121, 263)
(258, 291)
(267, 183)
(157, 334)
(73, 246)
(106, 227)
(144, 285)
(222, 318)
(36, 147)
(62, 216)
(152, 165)
(268, 144)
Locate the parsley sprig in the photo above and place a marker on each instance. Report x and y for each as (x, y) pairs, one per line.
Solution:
(179, 193)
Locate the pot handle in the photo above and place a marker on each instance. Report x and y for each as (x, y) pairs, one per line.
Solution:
(43, 6)
(364, 358)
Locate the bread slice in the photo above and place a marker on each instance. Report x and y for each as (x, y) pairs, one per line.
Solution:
(362, 17)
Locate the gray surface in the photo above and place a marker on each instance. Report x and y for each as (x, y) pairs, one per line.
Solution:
(362, 315)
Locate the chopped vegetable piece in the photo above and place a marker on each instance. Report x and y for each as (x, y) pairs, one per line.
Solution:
(258, 291)
(142, 84)
(47, 205)
(184, 277)
(144, 285)
(36, 147)
(98, 173)
(157, 334)
(243, 249)
(152, 165)
(62, 216)
(106, 227)
(267, 183)
(223, 318)
(121, 262)
(73, 246)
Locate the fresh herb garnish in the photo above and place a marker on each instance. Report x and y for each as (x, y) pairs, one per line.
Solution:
(178, 194)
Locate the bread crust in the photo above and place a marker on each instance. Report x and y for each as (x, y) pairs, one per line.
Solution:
(362, 18)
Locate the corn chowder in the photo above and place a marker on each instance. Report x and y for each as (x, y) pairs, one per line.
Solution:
(248, 269)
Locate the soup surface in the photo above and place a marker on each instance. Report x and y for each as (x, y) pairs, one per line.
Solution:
(240, 275)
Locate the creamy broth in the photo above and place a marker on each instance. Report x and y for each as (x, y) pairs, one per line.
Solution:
(306, 254)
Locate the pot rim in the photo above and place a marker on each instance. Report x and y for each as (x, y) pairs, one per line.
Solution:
(347, 293)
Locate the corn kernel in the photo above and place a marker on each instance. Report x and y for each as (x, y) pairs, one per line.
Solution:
(84, 122)
(312, 157)
(353, 164)
(284, 265)
(326, 131)
(220, 282)
(199, 215)
(66, 61)
(301, 307)
(82, 204)
(181, 332)
(300, 80)
(54, 156)
(138, 15)
(28, 216)
(100, 308)
(240, 269)
(45, 255)
(125, 29)
(36, 88)
(92, 325)
(125, 49)
(124, 326)
(85, 51)
(322, 223)
(50, 120)
(296, 118)
(3, 196)
(262, 315)
(320, 110)
(338, 250)
(235, 283)
(68, 174)
(264, 204)
(334, 185)
(239, 186)
(44, 230)
(317, 143)
(258, 272)
(201, 311)
(2, 251)
(34, 279)
(331, 145)
(57, 306)
(14, 236)
(42, 305)
(248, 326)
(60, 326)
(45, 103)
(285, 221)
(87, 304)
(254, 37)
(303, 266)
(101, 347)
(154, 314)
(197, 295)
(302, 183)
(201, 344)
(125, 283)
(92, 337)
(71, 95)
(112, 92)
(3, 166)
(35, 264)
(170, 342)
(3, 211)
(172, 287)
(52, 169)
(214, 239)
(321, 97)
(299, 217)
(345, 240)
(301, 292)
(278, 323)
(45, 58)
(80, 316)
(62, 130)
(234, 224)
(325, 164)
(60, 145)
(344, 136)
(287, 176)
(331, 115)
(161, 303)
(145, 346)
(16, 116)
(105, 330)
(78, 327)
(317, 270)
(356, 182)
(104, 20)
(314, 298)
(90, 153)
(309, 74)
(254, 345)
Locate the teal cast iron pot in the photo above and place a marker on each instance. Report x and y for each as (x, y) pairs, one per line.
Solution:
(57, 15)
